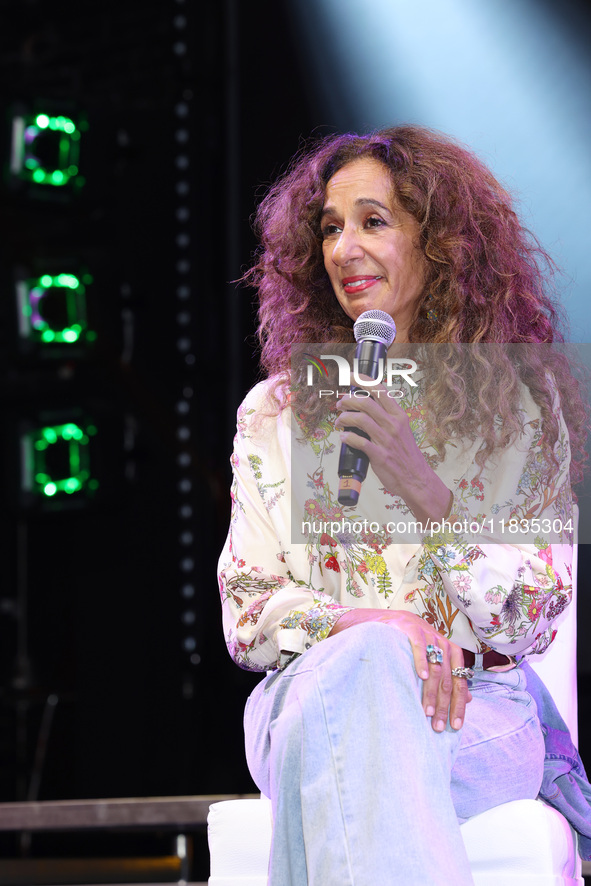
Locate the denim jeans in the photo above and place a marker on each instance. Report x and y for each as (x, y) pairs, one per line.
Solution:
(364, 792)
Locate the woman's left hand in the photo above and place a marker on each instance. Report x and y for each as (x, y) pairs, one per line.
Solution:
(392, 450)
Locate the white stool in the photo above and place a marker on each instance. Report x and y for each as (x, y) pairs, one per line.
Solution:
(538, 845)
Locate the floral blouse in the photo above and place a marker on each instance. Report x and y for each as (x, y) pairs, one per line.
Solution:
(284, 588)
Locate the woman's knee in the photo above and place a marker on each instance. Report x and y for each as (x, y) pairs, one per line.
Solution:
(373, 642)
(360, 662)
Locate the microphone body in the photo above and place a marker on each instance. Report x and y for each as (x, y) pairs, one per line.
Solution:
(374, 332)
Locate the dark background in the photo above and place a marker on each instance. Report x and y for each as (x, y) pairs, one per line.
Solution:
(109, 604)
(113, 586)
(114, 676)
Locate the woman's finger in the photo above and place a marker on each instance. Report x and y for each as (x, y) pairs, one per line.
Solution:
(371, 400)
(436, 650)
(444, 696)
(460, 692)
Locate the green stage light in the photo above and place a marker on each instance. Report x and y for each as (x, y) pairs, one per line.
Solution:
(52, 309)
(46, 149)
(56, 460)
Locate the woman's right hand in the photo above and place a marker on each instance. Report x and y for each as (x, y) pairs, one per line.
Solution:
(444, 697)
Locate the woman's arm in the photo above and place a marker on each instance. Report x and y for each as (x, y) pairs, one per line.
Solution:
(269, 614)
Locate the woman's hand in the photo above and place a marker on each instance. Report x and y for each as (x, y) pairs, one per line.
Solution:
(393, 453)
(444, 697)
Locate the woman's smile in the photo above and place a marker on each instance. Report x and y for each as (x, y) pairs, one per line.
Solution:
(358, 284)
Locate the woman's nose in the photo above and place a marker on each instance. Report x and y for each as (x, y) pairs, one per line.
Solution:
(348, 247)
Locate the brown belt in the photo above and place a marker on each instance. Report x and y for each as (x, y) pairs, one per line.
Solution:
(490, 659)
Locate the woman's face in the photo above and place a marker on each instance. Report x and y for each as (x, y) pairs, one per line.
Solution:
(370, 245)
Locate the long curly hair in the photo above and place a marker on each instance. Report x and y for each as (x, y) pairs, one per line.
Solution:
(488, 280)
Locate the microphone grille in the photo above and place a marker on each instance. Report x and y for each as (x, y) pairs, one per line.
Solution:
(375, 325)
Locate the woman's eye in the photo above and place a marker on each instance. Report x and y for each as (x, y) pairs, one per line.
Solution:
(374, 221)
(327, 230)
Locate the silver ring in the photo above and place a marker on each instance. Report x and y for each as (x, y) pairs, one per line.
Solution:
(466, 673)
(434, 654)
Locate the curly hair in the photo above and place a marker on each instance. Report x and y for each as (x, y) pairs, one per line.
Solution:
(488, 279)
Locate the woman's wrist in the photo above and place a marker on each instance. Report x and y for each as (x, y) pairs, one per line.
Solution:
(433, 506)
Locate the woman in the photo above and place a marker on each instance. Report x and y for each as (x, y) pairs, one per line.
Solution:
(371, 736)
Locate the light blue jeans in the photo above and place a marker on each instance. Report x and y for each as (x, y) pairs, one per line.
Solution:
(364, 791)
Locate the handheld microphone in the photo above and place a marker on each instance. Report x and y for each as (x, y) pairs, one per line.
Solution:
(374, 333)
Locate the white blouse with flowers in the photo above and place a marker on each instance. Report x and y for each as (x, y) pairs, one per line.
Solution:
(497, 589)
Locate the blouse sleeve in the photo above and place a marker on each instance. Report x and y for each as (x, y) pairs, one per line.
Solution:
(511, 584)
(269, 616)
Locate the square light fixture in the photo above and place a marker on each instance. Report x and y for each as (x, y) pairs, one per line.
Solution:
(56, 460)
(51, 309)
(45, 149)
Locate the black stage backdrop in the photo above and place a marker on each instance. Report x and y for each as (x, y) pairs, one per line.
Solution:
(115, 680)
